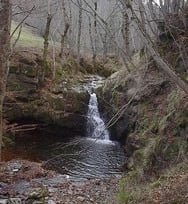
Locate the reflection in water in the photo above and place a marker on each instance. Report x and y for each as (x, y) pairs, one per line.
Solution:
(89, 159)
(78, 158)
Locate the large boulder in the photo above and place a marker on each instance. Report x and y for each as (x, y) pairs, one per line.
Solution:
(123, 97)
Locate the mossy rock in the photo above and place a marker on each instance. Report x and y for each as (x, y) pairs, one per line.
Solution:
(145, 157)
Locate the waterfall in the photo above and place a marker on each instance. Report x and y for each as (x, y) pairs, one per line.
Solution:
(95, 125)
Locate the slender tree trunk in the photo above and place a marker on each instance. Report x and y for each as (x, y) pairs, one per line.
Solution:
(95, 31)
(66, 29)
(142, 14)
(5, 15)
(46, 44)
(79, 29)
(105, 46)
(70, 35)
(175, 6)
(90, 35)
(125, 31)
(63, 39)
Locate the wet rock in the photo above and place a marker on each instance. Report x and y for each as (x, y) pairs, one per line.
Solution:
(38, 202)
(3, 201)
(51, 202)
(15, 200)
(38, 193)
(37, 196)
(15, 166)
(121, 127)
(66, 109)
(52, 190)
(11, 201)
(80, 199)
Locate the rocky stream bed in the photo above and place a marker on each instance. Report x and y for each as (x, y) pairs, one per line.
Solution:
(27, 182)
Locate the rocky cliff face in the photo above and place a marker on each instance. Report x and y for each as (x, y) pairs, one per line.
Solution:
(61, 101)
(54, 103)
(148, 114)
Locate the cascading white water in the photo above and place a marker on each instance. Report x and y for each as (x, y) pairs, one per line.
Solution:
(95, 125)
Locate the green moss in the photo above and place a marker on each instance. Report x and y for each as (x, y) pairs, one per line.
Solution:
(173, 100)
(124, 197)
(8, 140)
(59, 74)
(176, 150)
(16, 87)
(28, 38)
(144, 158)
(156, 183)
(175, 58)
(130, 190)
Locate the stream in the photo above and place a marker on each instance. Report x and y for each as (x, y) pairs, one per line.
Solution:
(77, 158)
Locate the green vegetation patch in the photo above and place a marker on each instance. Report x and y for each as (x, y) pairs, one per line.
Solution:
(169, 187)
(27, 37)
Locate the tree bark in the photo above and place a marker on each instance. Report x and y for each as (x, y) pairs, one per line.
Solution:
(66, 29)
(104, 43)
(5, 15)
(90, 35)
(70, 34)
(63, 39)
(95, 31)
(46, 44)
(79, 29)
(125, 30)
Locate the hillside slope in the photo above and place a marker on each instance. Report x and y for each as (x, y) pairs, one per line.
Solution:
(150, 114)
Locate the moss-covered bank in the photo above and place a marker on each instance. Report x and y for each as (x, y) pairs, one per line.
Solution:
(149, 114)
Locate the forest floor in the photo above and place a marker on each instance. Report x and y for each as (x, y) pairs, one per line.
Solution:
(29, 183)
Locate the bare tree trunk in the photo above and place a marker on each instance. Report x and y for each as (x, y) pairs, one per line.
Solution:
(63, 39)
(46, 44)
(144, 18)
(70, 38)
(79, 29)
(142, 14)
(104, 43)
(66, 29)
(5, 15)
(90, 34)
(125, 31)
(95, 31)
(175, 6)
(166, 7)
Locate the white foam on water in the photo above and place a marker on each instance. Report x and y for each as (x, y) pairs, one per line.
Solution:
(99, 141)
(95, 125)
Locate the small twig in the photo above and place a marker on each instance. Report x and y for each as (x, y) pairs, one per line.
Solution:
(18, 37)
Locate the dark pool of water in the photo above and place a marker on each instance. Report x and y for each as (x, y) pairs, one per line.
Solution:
(79, 157)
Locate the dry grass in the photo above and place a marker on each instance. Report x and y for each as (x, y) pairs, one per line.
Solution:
(28, 38)
(170, 188)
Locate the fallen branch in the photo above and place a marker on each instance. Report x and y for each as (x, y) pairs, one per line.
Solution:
(23, 128)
